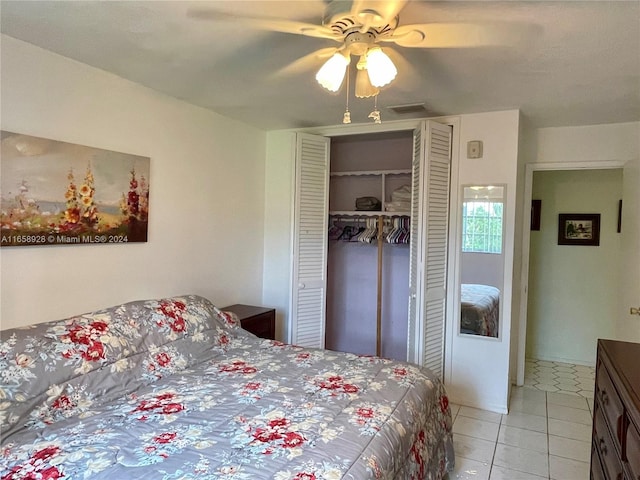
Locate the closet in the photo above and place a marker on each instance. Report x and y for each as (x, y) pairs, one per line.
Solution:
(368, 245)
(416, 272)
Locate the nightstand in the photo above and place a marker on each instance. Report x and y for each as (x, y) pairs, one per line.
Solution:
(260, 321)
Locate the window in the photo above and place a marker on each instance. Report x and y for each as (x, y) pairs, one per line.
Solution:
(482, 211)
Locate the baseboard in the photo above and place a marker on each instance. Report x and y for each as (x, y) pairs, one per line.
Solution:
(489, 406)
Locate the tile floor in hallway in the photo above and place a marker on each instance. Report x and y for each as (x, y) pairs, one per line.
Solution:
(546, 435)
(559, 377)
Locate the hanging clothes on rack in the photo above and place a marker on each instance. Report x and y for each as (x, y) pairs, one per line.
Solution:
(340, 230)
(370, 233)
(335, 231)
(399, 234)
(395, 230)
(360, 229)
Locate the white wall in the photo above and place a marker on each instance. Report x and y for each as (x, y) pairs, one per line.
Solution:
(278, 221)
(478, 370)
(613, 144)
(628, 326)
(206, 187)
(573, 290)
(484, 268)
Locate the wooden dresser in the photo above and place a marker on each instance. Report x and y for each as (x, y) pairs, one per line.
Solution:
(260, 321)
(615, 448)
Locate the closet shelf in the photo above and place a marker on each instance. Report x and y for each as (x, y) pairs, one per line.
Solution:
(367, 213)
(360, 173)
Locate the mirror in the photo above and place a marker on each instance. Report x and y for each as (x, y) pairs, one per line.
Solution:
(481, 259)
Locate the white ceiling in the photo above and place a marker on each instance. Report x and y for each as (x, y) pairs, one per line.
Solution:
(576, 62)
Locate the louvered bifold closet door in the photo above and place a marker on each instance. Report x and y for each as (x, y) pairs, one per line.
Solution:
(414, 350)
(436, 201)
(309, 274)
(428, 252)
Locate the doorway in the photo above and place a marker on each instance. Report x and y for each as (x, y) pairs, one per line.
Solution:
(571, 322)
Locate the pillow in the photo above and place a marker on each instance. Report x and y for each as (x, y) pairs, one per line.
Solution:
(59, 369)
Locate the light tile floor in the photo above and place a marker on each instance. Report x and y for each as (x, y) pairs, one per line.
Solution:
(546, 435)
(559, 377)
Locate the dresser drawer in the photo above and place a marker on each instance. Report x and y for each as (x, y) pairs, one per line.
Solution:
(616, 419)
(596, 467)
(612, 407)
(632, 451)
(603, 443)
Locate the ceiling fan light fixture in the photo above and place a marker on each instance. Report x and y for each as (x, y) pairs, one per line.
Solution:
(380, 67)
(331, 74)
(364, 89)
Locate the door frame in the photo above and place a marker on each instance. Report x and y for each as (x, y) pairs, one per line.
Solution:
(530, 168)
(454, 121)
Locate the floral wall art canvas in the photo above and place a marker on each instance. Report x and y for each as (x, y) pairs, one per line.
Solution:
(58, 193)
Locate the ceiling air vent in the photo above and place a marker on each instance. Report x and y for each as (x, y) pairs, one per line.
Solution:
(407, 109)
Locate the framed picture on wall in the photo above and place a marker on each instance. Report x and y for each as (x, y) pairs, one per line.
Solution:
(579, 229)
(59, 193)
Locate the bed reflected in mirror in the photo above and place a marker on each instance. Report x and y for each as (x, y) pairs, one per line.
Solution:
(481, 259)
(479, 309)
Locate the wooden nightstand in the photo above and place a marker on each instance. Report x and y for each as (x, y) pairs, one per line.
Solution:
(260, 321)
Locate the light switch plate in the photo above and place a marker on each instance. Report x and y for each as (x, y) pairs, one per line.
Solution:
(474, 149)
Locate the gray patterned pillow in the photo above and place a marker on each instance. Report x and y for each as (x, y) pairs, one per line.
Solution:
(60, 369)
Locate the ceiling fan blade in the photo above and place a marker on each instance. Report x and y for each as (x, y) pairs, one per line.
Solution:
(269, 24)
(373, 11)
(306, 63)
(457, 35)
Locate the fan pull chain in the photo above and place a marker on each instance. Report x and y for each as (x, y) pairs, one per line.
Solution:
(375, 115)
(346, 118)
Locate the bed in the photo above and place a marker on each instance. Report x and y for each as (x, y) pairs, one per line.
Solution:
(479, 309)
(175, 389)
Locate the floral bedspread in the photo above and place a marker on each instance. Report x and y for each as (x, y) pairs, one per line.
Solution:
(174, 389)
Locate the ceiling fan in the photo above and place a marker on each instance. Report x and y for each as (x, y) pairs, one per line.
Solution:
(361, 27)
